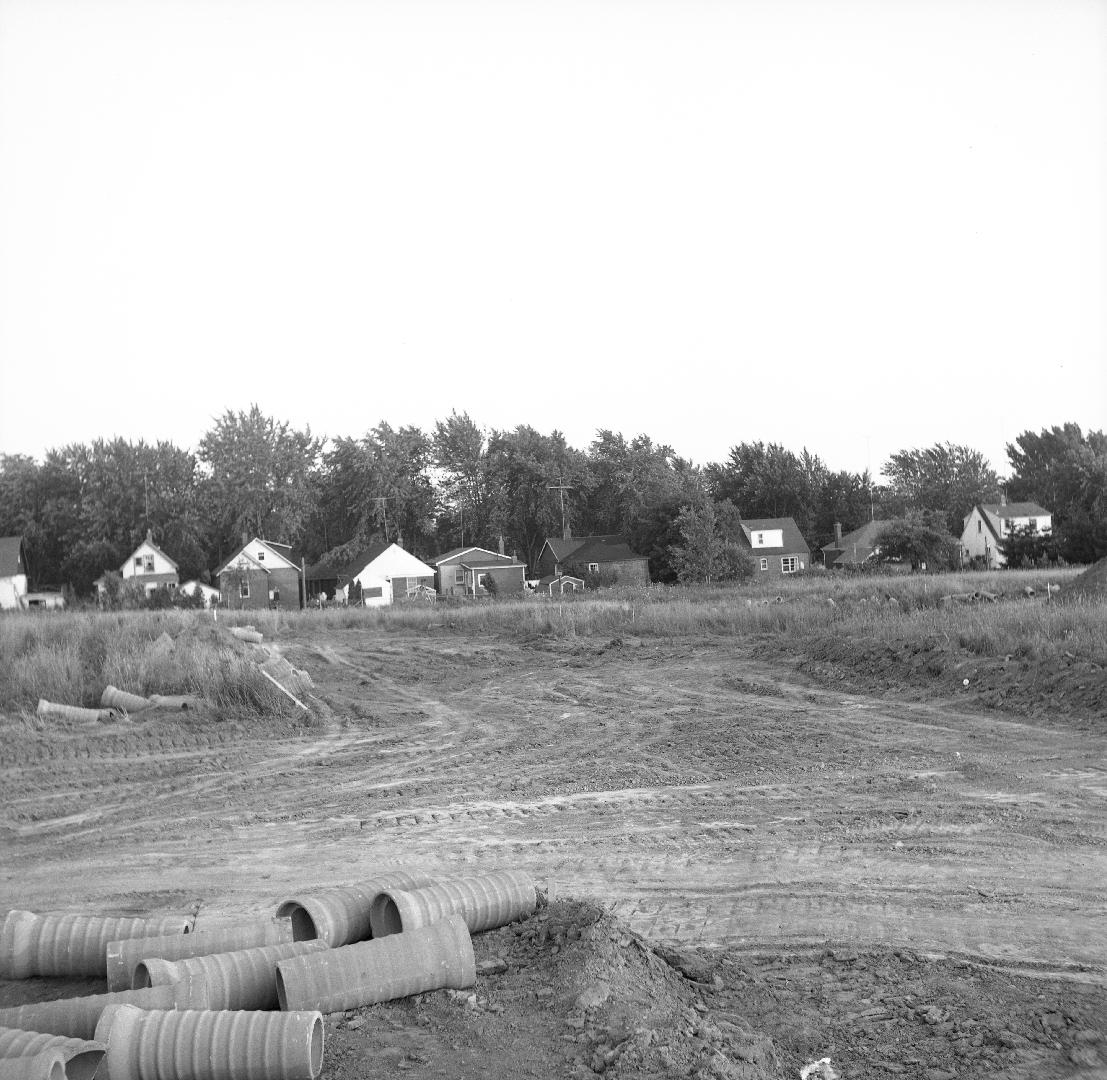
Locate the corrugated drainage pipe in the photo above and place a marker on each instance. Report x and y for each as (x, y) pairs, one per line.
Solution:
(436, 956)
(145, 1045)
(340, 916)
(80, 1056)
(33, 944)
(483, 900)
(77, 1017)
(49, 1065)
(114, 698)
(123, 956)
(247, 634)
(245, 979)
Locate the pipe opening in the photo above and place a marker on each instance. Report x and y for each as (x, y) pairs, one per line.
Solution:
(316, 1047)
(140, 980)
(83, 1066)
(303, 926)
(57, 1071)
(391, 921)
(282, 997)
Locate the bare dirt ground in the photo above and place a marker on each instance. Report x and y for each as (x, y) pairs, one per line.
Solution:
(747, 868)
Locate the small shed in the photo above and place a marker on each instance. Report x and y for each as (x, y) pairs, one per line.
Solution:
(559, 585)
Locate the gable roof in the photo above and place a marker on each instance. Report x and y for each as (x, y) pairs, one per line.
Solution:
(605, 548)
(324, 570)
(792, 537)
(479, 559)
(12, 556)
(855, 547)
(242, 553)
(147, 542)
(563, 547)
(478, 553)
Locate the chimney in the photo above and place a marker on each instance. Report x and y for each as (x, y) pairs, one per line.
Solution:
(501, 543)
(1002, 496)
(837, 534)
(149, 536)
(566, 531)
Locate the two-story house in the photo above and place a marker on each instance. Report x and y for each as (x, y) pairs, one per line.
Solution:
(987, 525)
(150, 567)
(777, 545)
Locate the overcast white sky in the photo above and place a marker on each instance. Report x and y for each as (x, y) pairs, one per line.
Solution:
(852, 226)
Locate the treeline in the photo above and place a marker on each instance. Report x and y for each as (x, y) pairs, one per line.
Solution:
(84, 508)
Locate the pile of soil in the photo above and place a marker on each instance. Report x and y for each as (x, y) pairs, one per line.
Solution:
(1091, 583)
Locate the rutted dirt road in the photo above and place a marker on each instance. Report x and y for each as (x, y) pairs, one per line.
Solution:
(704, 798)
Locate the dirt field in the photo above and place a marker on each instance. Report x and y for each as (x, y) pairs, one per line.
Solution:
(747, 868)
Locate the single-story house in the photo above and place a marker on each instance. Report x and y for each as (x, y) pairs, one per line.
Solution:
(988, 524)
(855, 549)
(149, 566)
(608, 553)
(467, 571)
(777, 545)
(13, 572)
(260, 574)
(210, 594)
(558, 585)
(385, 574)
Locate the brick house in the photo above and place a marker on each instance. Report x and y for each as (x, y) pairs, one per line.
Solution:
(260, 574)
(777, 546)
(467, 571)
(580, 556)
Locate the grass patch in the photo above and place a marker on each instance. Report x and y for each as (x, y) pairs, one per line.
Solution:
(71, 657)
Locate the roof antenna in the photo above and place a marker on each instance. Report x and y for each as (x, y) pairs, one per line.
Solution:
(566, 533)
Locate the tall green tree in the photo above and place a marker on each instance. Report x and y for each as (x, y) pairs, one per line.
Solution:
(947, 477)
(919, 538)
(460, 452)
(259, 477)
(705, 552)
(1065, 471)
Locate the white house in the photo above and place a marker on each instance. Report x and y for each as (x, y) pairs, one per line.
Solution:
(388, 573)
(13, 572)
(150, 566)
(210, 595)
(986, 526)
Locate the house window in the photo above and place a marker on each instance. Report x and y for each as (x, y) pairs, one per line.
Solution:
(147, 564)
(788, 564)
(459, 576)
(244, 588)
(138, 565)
(261, 556)
(1008, 524)
(764, 564)
(758, 539)
(593, 568)
(482, 581)
(980, 526)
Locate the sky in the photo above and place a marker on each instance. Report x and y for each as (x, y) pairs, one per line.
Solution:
(855, 226)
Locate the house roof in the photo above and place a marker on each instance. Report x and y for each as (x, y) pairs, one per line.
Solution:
(855, 547)
(792, 537)
(1014, 510)
(601, 548)
(485, 560)
(147, 542)
(328, 571)
(12, 561)
(608, 548)
(474, 553)
(549, 579)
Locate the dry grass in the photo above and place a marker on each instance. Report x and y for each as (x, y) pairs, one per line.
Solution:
(71, 657)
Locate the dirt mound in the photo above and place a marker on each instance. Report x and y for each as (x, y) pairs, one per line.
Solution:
(1093, 582)
(569, 992)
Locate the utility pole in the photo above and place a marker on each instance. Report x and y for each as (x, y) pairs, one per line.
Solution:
(562, 488)
(146, 491)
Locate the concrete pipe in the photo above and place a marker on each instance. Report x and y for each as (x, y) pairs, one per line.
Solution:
(154, 1045)
(80, 1057)
(48, 1065)
(340, 916)
(52, 710)
(114, 698)
(123, 956)
(245, 979)
(77, 1017)
(33, 944)
(431, 958)
(484, 901)
(245, 633)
